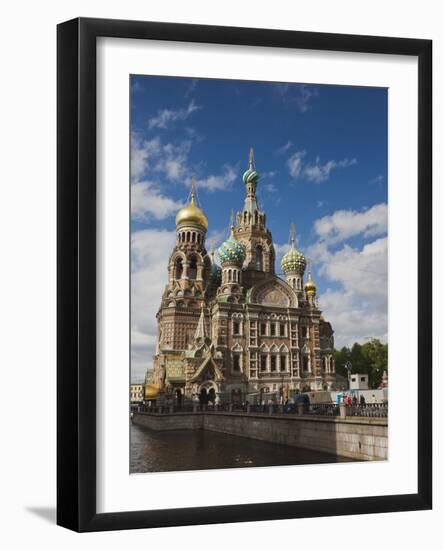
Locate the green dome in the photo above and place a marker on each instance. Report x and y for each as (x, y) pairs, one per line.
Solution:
(232, 251)
(250, 176)
(293, 261)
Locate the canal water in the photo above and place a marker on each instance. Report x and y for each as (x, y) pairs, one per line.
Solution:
(163, 451)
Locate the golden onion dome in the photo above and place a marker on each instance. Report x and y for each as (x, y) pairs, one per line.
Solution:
(191, 213)
(310, 286)
(151, 391)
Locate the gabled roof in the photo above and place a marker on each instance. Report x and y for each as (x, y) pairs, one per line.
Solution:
(208, 362)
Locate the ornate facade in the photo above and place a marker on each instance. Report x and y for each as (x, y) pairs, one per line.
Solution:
(237, 330)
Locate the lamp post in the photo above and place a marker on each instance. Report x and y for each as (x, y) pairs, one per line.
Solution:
(348, 367)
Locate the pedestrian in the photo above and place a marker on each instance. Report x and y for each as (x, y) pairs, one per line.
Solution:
(348, 400)
(362, 400)
(354, 400)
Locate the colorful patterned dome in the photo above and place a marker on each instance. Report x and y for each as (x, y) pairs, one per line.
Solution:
(232, 251)
(251, 176)
(293, 261)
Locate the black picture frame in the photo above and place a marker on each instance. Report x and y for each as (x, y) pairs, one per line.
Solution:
(76, 280)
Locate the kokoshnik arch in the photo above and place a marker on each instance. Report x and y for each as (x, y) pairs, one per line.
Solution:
(237, 328)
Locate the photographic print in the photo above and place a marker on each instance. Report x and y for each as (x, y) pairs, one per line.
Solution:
(259, 270)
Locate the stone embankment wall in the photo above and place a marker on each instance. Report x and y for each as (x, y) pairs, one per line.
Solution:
(352, 437)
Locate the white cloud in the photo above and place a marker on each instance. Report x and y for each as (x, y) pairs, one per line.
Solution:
(150, 250)
(344, 224)
(302, 98)
(173, 160)
(285, 148)
(358, 309)
(295, 163)
(152, 155)
(299, 96)
(142, 151)
(314, 172)
(270, 187)
(357, 304)
(191, 86)
(377, 179)
(147, 202)
(318, 172)
(221, 182)
(166, 117)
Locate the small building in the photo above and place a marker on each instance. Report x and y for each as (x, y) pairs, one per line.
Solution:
(359, 381)
(137, 393)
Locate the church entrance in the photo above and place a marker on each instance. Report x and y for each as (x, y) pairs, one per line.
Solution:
(207, 393)
(179, 398)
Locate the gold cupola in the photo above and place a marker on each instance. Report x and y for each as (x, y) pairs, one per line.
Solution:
(310, 286)
(191, 214)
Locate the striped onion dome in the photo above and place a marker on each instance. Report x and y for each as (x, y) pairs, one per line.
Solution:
(250, 176)
(232, 251)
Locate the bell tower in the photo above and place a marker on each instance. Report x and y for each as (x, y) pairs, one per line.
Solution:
(251, 229)
(189, 264)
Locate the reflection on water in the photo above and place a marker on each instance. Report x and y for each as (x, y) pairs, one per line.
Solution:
(153, 451)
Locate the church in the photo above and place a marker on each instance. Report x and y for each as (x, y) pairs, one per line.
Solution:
(232, 330)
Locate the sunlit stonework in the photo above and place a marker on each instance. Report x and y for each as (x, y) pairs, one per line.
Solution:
(237, 331)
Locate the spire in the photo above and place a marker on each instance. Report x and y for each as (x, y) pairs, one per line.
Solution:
(212, 250)
(310, 286)
(292, 231)
(191, 213)
(201, 333)
(251, 159)
(231, 222)
(250, 179)
(193, 195)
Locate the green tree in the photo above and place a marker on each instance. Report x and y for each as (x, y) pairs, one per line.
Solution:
(369, 358)
(376, 355)
(341, 358)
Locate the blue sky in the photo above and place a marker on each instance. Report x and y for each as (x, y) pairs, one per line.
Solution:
(322, 155)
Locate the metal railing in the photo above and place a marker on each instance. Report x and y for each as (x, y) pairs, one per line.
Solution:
(372, 410)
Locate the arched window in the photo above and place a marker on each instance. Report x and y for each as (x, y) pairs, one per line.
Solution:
(178, 268)
(259, 258)
(192, 273)
(283, 363)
